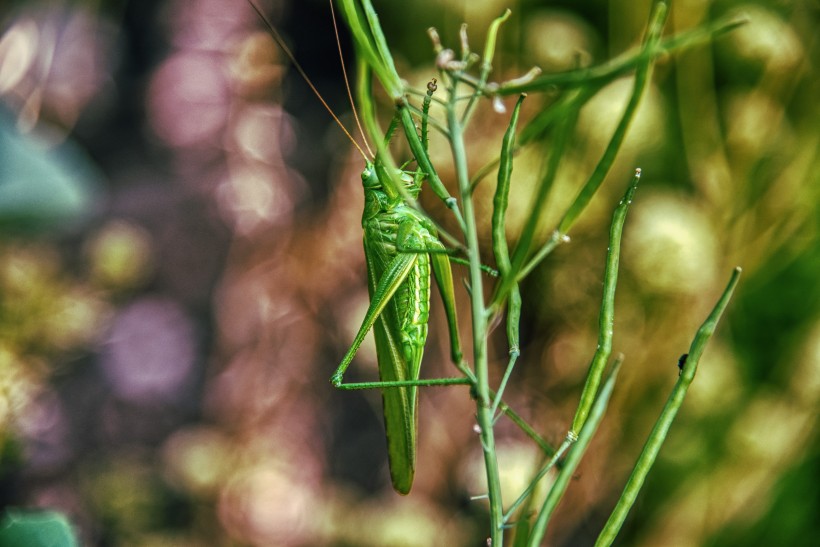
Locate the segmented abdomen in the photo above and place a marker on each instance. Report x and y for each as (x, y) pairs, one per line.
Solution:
(409, 309)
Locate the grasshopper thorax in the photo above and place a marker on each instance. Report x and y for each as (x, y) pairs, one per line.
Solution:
(380, 195)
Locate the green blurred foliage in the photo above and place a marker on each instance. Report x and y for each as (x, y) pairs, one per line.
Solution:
(43, 529)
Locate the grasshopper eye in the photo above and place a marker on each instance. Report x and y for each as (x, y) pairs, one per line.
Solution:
(369, 177)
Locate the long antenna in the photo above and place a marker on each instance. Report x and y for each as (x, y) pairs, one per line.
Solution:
(281, 43)
(347, 81)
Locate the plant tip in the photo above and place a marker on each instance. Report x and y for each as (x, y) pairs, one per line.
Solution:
(436, 39)
(744, 19)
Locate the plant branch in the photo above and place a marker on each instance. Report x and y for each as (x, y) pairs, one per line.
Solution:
(661, 429)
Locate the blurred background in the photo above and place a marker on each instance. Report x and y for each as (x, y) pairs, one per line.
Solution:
(181, 271)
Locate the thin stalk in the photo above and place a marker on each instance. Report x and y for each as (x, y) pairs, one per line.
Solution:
(425, 113)
(537, 127)
(424, 162)
(500, 248)
(437, 125)
(545, 447)
(598, 76)
(661, 429)
(568, 440)
(406, 383)
(484, 413)
(562, 137)
(574, 457)
(367, 107)
(624, 63)
(642, 74)
(486, 66)
(513, 320)
(606, 322)
(371, 45)
(555, 239)
(514, 417)
(559, 143)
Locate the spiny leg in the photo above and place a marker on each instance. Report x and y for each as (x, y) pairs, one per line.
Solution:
(441, 250)
(393, 276)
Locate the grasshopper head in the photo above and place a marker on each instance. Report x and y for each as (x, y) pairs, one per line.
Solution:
(370, 179)
(373, 175)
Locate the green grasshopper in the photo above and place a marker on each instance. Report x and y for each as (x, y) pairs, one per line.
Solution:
(402, 249)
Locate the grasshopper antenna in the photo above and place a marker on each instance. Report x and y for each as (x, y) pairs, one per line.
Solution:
(281, 43)
(347, 81)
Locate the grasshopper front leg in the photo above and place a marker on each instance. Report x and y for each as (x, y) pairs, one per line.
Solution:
(394, 275)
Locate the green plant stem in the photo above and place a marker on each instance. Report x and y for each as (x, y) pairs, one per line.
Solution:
(486, 66)
(423, 159)
(545, 447)
(425, 114)
(574, 457)
(606, 321)
(661, 429)
(500, 248)
(562, 137)
(525, 495)
(519, 256)
(513, 320)
(624, 63)
(514, 417)
(367, 110)
(642, 74)
(405, 383)
(596, 77)
(433, 122)
(484, 412)
(371, 44)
